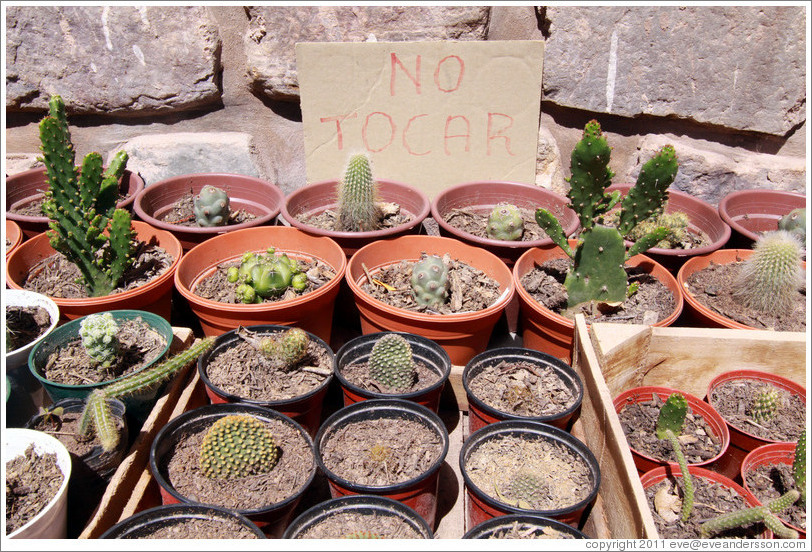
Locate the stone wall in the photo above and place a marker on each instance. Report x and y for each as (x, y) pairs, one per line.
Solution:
(197, 89)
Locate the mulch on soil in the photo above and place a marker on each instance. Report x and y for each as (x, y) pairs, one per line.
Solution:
(353, 524)
(528, 531)
(24, 325)
(199, 529)
(772, 481)
(182, 213)
(474, 220)
(392, 216)
(65, 427)
(32, 481)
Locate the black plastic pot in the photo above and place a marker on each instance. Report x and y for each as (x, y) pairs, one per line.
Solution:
(358, 350)
(143, 524)
(481, 414)
(362, 504)
(538, 524)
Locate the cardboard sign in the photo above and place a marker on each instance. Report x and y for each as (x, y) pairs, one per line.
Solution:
(429, 114)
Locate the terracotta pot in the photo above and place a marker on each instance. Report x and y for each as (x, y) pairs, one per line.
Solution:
(551, 333)
(318, 197)
(305, 409)
(154, 296)
(419, 493)
(742, 441)
(698, 407)
(542, 527)
(27, 186)
(769, 455)
(312, 311)
(14, 235)
(255, 196)
(481, 414)
(426, 351)
(752, 212)
(143, 524)
(462, 335)
(484, 507)
(702, 216)
(482, 197)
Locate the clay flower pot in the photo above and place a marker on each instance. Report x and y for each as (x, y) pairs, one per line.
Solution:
(462, 335)
(28, 186)
(551, 333)
(318, 197)
(532, 526)
(697, 406)
(255, 196)
(312, 311)
(145, 523)
(154, 296)
(753, 212)
(14, 236)
(482, 197)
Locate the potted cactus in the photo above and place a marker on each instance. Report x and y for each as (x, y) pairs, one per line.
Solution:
(755, 211)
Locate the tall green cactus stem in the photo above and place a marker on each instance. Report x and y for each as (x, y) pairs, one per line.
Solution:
(358, 210)
(768, 281)
(748, 516)
(391, 363)
(238, 446)
(765, 405)
(505, 223)
(100, 415)
(429, 281)
(266, 275)
(286, 348)
(81, 206)
(589, 165)
(99, 333)
(799, 466)
(669, 426)
(211, 207)
(648, 196)
(794, 222)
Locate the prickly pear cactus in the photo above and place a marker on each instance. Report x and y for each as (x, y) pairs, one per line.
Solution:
(430, 281)
(765, 405)
(286, 348)
(212, 207)
(99, 333)
(591, 175)
(237, 446)
(648, 196)
(505, 223)
(794, 222)
(358, 210)
(391, 363)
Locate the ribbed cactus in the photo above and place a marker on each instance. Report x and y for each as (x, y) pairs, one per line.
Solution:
(287, 348)
(237, 446)
(748, 516)
(430, 281)
(669, 426)
(82, 205)
(391, 363)
(358, 210)
(768, 281)
(598, 272)
(799, 466)
(794, 222)
(99, 333)
(505, 223)
(765, 405)
(211, 207)
(265, 275)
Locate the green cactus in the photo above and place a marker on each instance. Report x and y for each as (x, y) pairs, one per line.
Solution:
(358, 210)
(676, 223)
(362, 534)
(505, 223)
(287, 348)
(211, 207)
(765, 405)
(794, 222)
(526, 489)
(669, 426)
(598, 272)
(81, 206)
(748, 516)
(99, 333)
(769, 280)
(265, 275)
(799, 467)
(430, 281)
(391, 363)
(237, 446)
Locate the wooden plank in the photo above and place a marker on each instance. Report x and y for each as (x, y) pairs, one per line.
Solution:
(455, 381)
(450, 503)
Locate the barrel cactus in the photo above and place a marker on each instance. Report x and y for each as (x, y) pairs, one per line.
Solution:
(526, 489)
(430, 281)
(391, 363)
(237, 446)
(211, 207)
(505, 223)
(99, 333)
(358, 210)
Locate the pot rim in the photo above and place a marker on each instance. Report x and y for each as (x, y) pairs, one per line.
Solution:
(488, 526)
(740, 194)
(181, 511)
(11, 296)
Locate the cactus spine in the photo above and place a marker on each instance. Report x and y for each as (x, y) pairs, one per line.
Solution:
(765, 405)
(799, 467)
(669, 426)
(527, 489)
(430, 281)
(211, 207)
(748, 516)
(99, 333)
(81, 206)
(266, 275)
(287, 348)
(391, 362)
(358, 210)
(505, 223)
(237, 446)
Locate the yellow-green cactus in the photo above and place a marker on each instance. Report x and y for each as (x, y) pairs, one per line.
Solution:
(765, 405)
(430, 281)
(505, 223)
(287, 347)
(391, 363)
(358, 209)
(237, 446)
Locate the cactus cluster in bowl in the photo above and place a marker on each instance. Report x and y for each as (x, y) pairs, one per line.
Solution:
(263, 275)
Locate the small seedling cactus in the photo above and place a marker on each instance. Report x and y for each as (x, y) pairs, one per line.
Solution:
(669, 426)
(748, 516)
(675, 222)
(598, 272)
(391, 363)
(99, 333)
(768, 281)
(238, 446)
(430, 281)
(358, 210)
(505, 223)
(85, 225)
(283, 349)
(211, 207)
(526, 489)
(379, 453)
(794, 222)
(765, 405)
(265, 275)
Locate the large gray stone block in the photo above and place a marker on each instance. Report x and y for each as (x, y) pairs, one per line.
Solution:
(741, 67)
(273, 32)
(122, 60)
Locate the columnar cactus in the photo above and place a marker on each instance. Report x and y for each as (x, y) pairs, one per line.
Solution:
(81, 206)
(237, 446)
(794, 222)
(212, 207)
(765, 405)
(669, 426)
(799, 466)
(430, 281)
(748, 516)
(505, 223)
(266, 275)
(99, 333)
(358, 210)
(391, 363)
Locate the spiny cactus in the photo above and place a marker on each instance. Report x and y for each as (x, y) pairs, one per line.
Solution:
(799, 466)
(527, 489)
(362, 534)
(505, 223)
(379, 452)
(765, 405)
(391, 363)
(237, 446)
(81, 206)
(676, 223)
(794, 222)
(748, 516)
(265, 275)
(768, 281)
(99, 333)
(598, 272)
(358, 210)
(430, 281)
(286, 348)
(669, 426)
(211, 207)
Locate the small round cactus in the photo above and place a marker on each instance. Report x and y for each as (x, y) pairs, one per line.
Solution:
(379, 452)
(99, 333)
(211, 207)
(237, 446)
(287, 348)
(794, 222)
(765, 405)
(430, 281)
(528, 489)
(263, 275)
(391, 363)
(505, 223)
